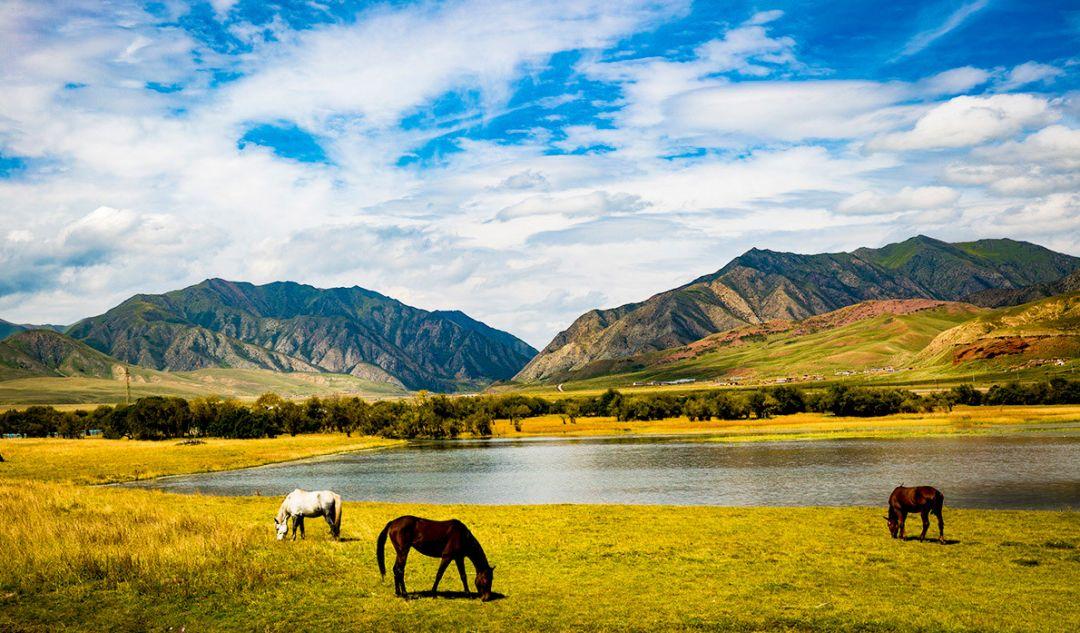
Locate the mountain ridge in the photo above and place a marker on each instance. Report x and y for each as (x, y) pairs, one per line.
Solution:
(763, 285)
(287, 326)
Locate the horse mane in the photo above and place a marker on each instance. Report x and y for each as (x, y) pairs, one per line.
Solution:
(281, 514)
(477, 555)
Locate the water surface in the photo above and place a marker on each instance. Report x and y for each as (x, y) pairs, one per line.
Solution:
(1029, 472)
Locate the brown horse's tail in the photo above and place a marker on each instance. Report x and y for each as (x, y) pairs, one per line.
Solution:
(380, 548)
(939, 502)
(337, 516)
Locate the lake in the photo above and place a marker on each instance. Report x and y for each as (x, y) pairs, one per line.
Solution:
(1021, 472)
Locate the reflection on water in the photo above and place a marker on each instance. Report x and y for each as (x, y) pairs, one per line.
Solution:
(1001, 472)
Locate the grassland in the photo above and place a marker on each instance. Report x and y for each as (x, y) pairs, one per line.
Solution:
(920, 346)
(240, 383)
(98, 461)
(97, 559)
(91, 558)
(961, 420)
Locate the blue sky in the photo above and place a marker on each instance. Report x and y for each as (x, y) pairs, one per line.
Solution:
(521, 161)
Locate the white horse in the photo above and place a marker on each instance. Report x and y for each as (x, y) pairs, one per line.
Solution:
(301, 503)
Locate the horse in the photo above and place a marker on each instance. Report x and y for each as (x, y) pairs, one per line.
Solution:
(301, 503)
(925, 500)
(445, 540)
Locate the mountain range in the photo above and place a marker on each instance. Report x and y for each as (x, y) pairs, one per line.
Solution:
(286, 326)
(310, 340)
(762, 285)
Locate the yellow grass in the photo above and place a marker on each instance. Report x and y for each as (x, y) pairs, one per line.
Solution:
(105, 559)
(961, 420)
(96, 461)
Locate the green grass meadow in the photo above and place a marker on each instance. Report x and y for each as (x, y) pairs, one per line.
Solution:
(80, 557)
(128, 560)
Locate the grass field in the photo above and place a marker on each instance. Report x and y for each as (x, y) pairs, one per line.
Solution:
(961, 420)
(89, 558)
(106, 559)
(98, 461)
(920, 346)
(240, 383)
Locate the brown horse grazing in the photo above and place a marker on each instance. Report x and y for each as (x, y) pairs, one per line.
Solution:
(925, 500)
(446, 540)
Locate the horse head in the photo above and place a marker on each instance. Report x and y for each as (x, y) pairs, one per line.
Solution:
(484, 578)
(281, 527)
(894, 525)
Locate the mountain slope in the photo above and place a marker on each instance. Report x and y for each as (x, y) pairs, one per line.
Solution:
(893, 341)
(286, 326)
(998, 298)
(761, 286)
(1046, 329)
(868, 335)
(7, 328)
(47, 353)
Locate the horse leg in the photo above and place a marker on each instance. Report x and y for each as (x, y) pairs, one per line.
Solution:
(295, 524)
(461, 570)
(903, 519)
(925, 524)
(399, 571)
(438, 575)
(940, 527)
(301, 520)
(330, 521)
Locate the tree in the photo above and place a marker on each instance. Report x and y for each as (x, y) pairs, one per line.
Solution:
(788, 400)
(573, 411)
(761, 403)
(966, 394)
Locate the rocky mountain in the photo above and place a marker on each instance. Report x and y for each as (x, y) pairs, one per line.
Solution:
(285, 326)
(762, 285)
(33, 353)
(8, 328)
(1001, 297)
(1047, 328)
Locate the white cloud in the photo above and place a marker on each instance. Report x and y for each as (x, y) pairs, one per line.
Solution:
(790, 111)
(954, 81)
(965, 121)
(907, 199)
(731, 144)
(396, 60)
(596, 203)
(1029, 73)
(923, 39)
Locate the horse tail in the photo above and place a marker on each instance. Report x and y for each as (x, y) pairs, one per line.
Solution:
(939, 502)
(380, 548)
(337, 516)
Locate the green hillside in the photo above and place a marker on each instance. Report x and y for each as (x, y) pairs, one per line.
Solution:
(238, 383)
(909, 341)
(761, 286)
(36, 353)
(43, 366)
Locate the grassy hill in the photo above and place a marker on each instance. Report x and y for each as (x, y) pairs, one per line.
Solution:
(285, 326)
(238, 383)
(43, 366)
(897, 341)
(38, 353)
(1039, 334)
(761, 286)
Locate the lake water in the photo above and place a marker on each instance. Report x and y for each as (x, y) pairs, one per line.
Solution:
(1032, 472)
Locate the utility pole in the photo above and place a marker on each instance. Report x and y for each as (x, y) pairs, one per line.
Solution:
(127, 380)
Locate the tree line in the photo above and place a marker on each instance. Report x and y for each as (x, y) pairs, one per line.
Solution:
(440, 416)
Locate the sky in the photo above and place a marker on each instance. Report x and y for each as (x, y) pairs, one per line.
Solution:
(521, 161)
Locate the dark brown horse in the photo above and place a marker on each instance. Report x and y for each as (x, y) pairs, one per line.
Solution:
(445, 540)
(925, 500)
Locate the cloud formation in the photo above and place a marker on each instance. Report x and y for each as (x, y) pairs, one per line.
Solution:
(520, 161)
